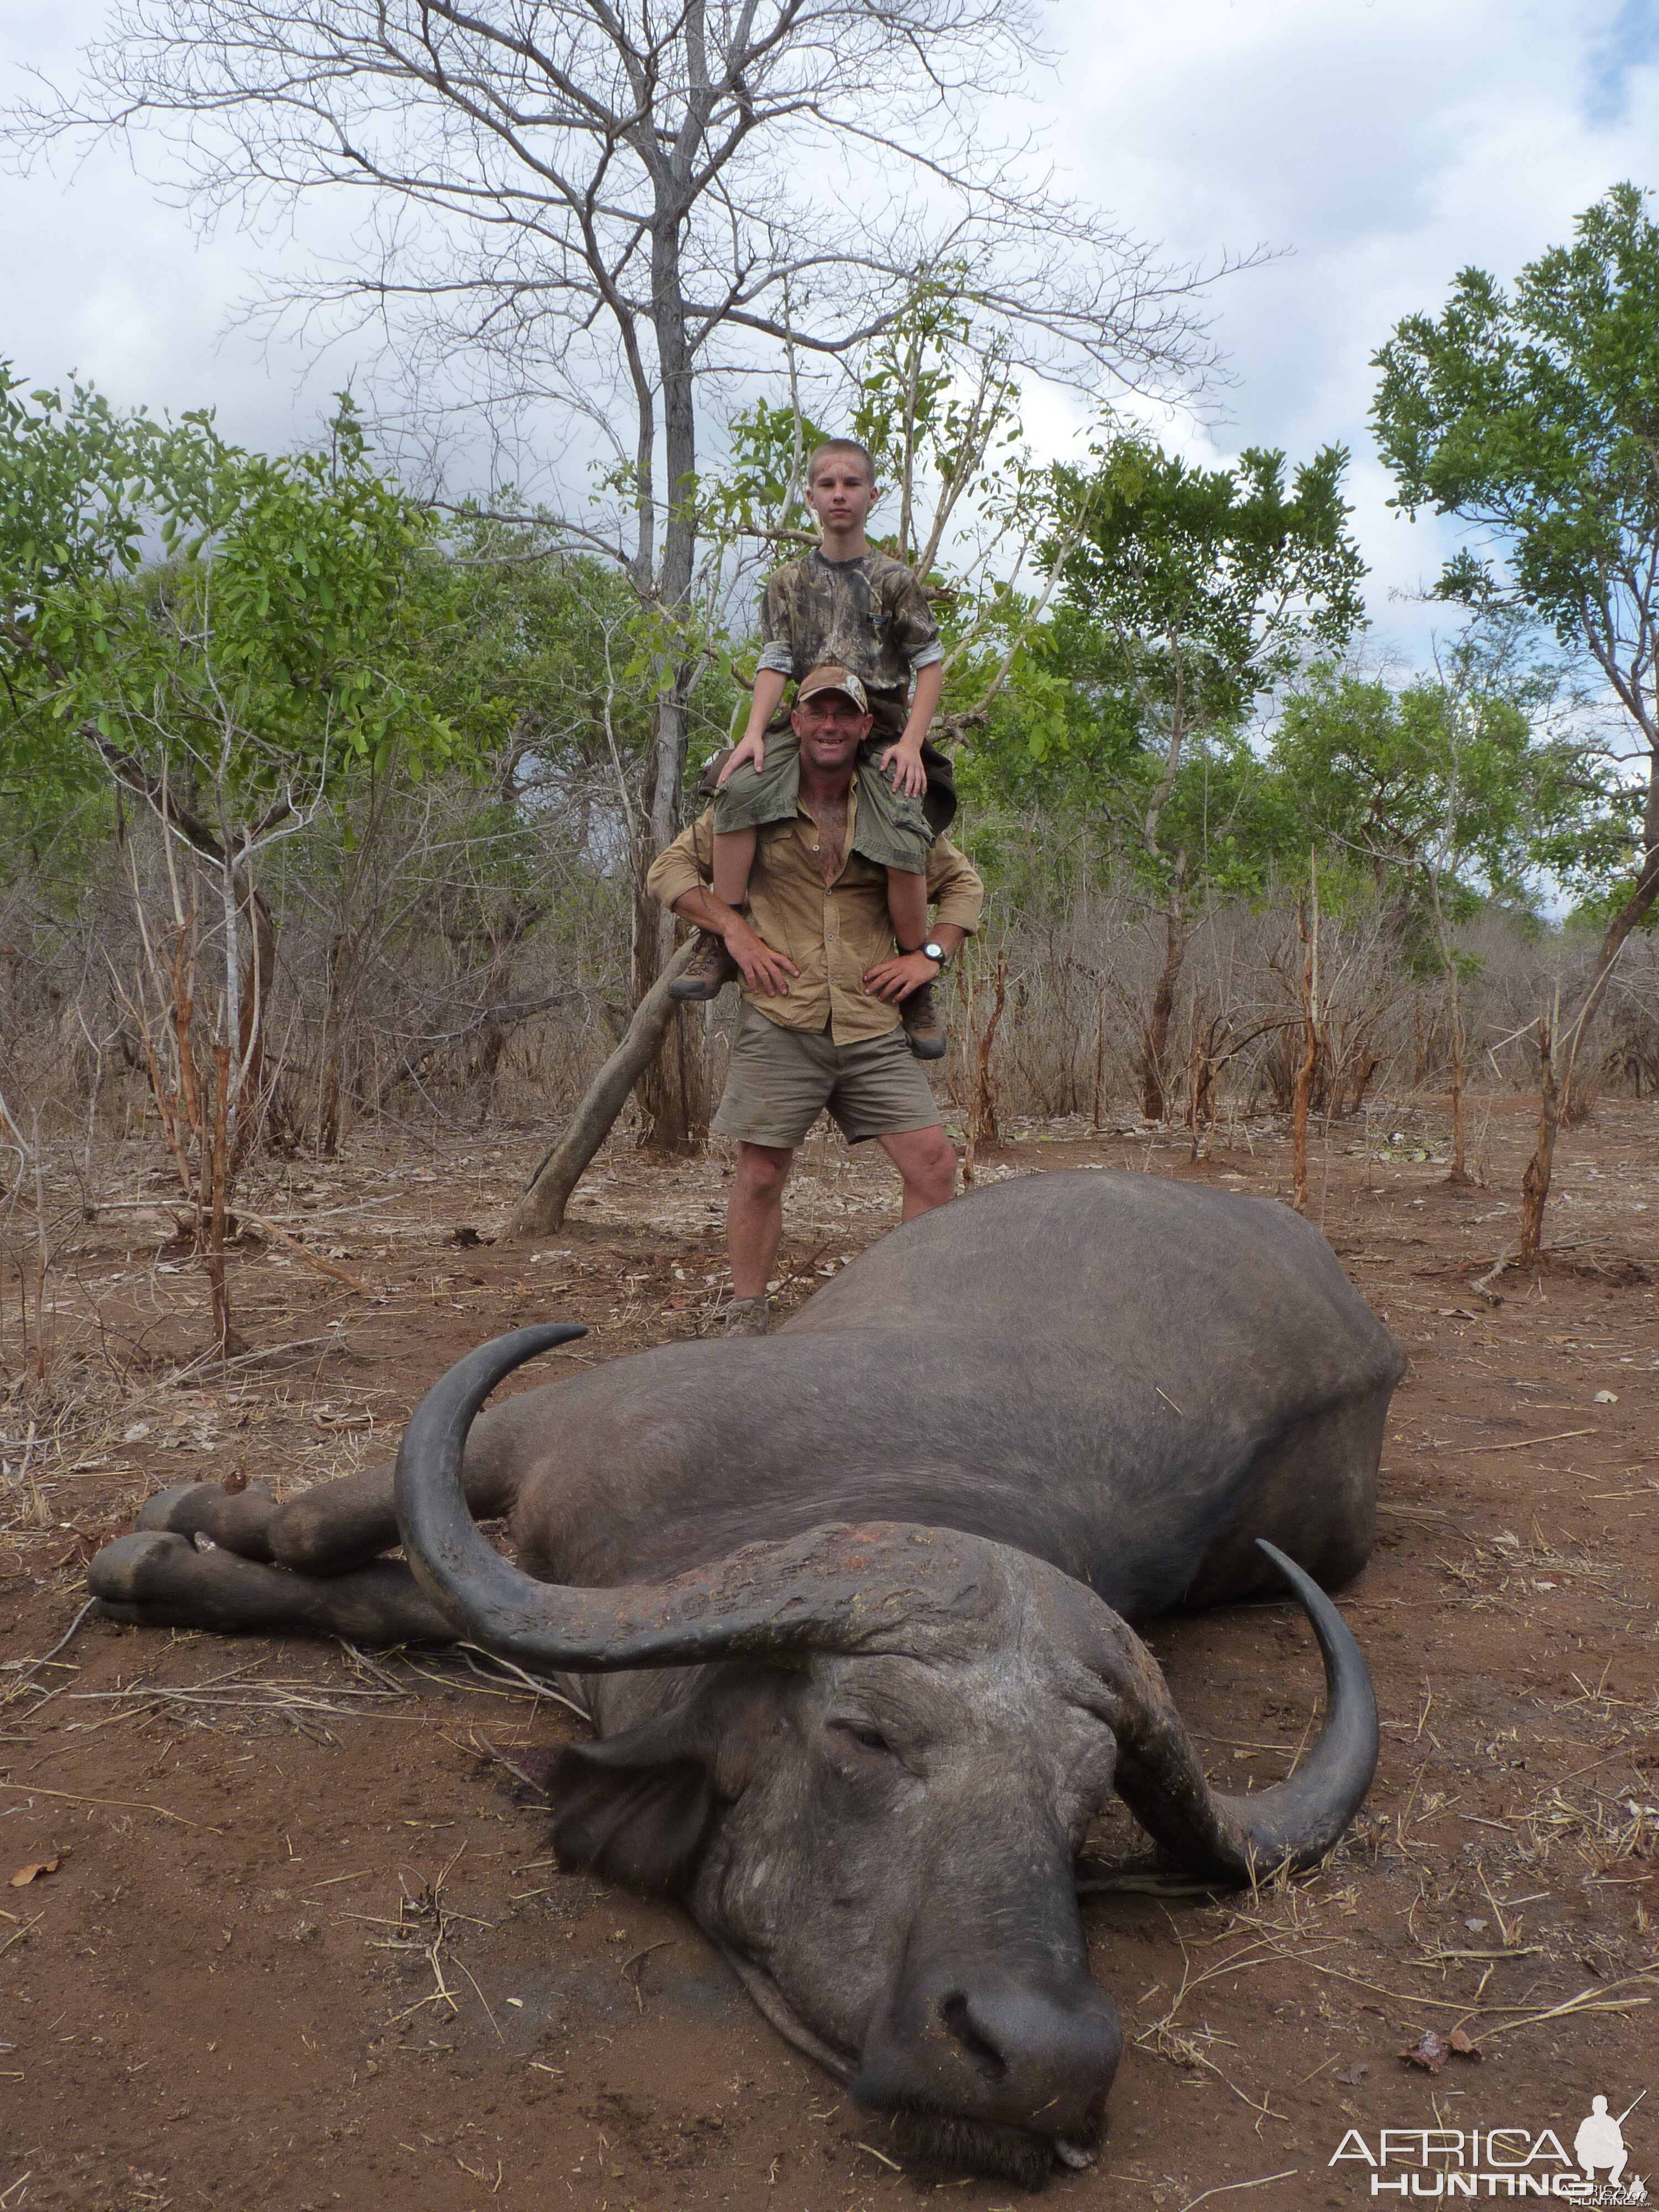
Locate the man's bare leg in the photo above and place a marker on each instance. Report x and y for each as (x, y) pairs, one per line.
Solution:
(753, 1224)
(926, 1162)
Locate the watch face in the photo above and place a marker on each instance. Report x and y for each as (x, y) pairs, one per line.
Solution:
(933, 951)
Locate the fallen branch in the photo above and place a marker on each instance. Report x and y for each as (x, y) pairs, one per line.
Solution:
(24, 1680)
(1492, 1273)
(1594, 1999)
(122, 1804)
(540, 1212)
(268, 1228)
(1520, 1443)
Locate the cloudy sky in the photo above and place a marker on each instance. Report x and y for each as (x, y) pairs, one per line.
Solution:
(1374, 146)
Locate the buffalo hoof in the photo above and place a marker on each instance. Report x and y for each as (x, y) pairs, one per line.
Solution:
(157, 1513)
(127, 1575)
(160, 1579)
(237, 1520)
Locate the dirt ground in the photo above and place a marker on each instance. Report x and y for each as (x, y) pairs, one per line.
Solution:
(296, 1942)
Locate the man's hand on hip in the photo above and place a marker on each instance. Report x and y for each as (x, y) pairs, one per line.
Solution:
(763, 971)
(896, 978)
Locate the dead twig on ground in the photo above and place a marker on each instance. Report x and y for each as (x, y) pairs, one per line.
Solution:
(15, 1689)
(269, 1228)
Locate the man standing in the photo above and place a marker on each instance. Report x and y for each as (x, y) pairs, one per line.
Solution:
(823, 982)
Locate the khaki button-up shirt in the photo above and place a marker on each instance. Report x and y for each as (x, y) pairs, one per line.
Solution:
(833, 933)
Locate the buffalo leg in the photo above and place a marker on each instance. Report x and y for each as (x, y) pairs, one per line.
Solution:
(239, 1520)
(326, 1531)
(160, 1580)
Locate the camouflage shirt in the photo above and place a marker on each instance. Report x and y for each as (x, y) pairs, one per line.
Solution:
(870, 615)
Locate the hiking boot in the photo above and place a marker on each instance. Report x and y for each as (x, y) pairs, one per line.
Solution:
(746, 1317)
(924, 1025)
(709, 970)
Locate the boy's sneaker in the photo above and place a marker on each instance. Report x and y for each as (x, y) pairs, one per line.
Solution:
(924, 1025)
(709, 970)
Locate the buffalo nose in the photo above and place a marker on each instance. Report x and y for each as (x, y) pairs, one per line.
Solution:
(995, 2047)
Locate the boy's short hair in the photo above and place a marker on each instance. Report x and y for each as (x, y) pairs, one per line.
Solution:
(833, 446)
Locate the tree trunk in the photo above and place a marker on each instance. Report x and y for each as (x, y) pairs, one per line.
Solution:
(1155, 1046)
(1204, 1066)
(984, 1126)
(1302, 1094)
(1096, 1098)
(210, 1234)
(1535, 1183)
(673, 1088)
(1458, 1174)
(977, 1095)
(540, 1212)
(259, 981)
(341, 976)
(192, 1052)
(507, 928)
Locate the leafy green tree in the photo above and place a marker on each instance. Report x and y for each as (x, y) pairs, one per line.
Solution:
(234, 686)
(1532, 414)
(1196, 591)
(1446, 793)
(1444, 773)
(81, 490)
(231, 683)
(525, 655)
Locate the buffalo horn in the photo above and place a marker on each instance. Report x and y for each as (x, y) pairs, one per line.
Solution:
(1294, 1823)
(886, 1587)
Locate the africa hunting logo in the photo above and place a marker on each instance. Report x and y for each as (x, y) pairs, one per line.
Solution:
(1448, 2163)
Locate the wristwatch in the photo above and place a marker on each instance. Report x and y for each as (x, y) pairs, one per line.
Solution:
(935, 953)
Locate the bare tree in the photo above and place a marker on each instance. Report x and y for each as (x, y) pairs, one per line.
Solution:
(611, 207)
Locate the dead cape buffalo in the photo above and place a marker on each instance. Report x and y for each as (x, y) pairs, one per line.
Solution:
(849, 1607)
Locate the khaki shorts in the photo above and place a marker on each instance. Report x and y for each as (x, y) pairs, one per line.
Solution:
(781, 1080)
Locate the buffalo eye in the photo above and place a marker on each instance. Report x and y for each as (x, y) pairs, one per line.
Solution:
(866, 1737)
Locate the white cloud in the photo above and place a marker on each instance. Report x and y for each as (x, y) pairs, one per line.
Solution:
(99, 276)
(1377, 145)
(1378, 148)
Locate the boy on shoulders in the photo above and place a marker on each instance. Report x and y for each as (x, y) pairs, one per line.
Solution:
(846, 605)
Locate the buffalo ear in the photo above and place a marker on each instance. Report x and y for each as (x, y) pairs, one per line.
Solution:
(639, 1821)
(638, 1807)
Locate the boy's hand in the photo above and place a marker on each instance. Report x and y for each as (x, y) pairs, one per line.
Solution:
(909, 777)
(753, 750)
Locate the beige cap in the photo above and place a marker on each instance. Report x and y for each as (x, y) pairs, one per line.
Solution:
(831, 678)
